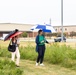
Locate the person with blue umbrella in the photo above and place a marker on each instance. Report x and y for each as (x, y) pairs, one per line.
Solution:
(40, 40)
(40, 47)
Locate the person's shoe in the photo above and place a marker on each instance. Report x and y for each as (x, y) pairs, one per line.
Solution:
(17, 66)
(42, 64)
(36, 64)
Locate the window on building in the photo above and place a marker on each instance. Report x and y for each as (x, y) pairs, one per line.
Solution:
(61, 29)
(56, 29)
(65, 29)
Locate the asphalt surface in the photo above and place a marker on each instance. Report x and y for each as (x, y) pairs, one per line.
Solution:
(51, 40)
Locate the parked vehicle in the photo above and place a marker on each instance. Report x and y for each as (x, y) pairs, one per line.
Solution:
(59, 39)
(4, 35)
(1, 38)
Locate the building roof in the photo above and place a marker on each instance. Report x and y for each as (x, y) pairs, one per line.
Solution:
(6, 27)
(66, 26)
(12, 26)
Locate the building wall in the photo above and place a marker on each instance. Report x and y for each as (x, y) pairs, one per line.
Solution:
(29, 34)
(7, 27)
(1, 33)
(32, 34)
(67, 29)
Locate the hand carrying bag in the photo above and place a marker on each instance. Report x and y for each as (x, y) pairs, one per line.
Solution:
(11, 47)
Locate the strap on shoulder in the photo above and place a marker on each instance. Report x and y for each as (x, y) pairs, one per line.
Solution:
(10, 42)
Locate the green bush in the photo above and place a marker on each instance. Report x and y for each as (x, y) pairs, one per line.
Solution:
(28, 53)
(56, 56)
(24, 34)
(4, 52)
(9, 68)
(72, 54)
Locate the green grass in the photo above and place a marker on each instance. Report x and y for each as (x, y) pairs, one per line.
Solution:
(55, 54)
(29, 68)
(59, 59)
(9, 68)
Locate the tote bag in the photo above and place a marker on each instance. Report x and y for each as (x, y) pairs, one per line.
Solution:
(11, 47)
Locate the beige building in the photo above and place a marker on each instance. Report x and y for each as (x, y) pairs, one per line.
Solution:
(7, 27)
(67, 29)
(11, 26)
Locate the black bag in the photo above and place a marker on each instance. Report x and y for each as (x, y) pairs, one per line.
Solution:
(11, 47)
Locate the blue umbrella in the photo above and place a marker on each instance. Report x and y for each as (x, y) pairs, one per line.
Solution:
(45, 28)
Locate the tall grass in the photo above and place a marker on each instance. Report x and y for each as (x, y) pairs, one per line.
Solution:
(9, 68)
(56, 54)
(28, 53)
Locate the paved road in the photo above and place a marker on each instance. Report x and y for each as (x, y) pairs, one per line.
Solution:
(71, 40)
(51, 40)
(67, 40)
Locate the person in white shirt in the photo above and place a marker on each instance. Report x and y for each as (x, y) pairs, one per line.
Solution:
(15, 40)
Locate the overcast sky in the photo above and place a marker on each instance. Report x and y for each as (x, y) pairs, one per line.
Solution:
(37, 11)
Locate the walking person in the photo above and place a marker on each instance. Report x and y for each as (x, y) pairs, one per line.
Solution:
(40, 47)
(13, 46)
(15, 41)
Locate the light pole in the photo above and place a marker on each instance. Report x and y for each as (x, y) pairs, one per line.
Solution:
(62, 19)
(50, 21)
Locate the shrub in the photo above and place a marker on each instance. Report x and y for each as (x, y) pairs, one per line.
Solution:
(28, 53)
(72, 54)
(4, 52)
(24, 34)
(55, 54)
(68, 63)
(9, 68)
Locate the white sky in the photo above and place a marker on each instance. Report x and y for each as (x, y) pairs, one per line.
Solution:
(37, 11)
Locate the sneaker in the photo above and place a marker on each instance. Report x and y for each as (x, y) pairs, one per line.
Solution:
(41, 64)
(17, 66)
(36, 64)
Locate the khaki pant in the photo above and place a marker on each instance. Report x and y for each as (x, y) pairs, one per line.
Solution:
(17, 54)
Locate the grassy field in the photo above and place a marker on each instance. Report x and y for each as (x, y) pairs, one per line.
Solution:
(60, 58)
(24, 43)
(29, 68)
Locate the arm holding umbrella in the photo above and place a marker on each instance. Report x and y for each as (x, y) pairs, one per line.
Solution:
(46, 40)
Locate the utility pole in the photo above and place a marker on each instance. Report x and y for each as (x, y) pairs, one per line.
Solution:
(62, 19)
(50, 21)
